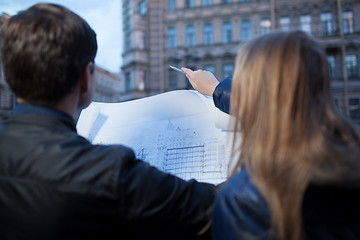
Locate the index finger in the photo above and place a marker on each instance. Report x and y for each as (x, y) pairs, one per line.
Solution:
(187, 70)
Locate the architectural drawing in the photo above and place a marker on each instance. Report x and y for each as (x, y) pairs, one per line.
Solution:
(177, 132)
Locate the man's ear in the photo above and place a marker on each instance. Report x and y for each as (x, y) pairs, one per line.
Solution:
(85, 80)
(86, 87)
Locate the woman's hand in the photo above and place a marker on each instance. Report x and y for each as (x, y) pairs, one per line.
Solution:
(203, 81)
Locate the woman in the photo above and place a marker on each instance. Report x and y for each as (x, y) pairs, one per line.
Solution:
(298, 173)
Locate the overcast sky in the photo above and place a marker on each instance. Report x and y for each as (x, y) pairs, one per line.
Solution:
(104, 16)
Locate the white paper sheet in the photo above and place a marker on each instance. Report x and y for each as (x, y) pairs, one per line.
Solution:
(180, 132)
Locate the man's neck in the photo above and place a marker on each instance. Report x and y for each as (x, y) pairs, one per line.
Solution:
(66, 105)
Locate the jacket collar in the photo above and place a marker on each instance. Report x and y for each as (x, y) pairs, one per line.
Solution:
(48, 119)
(32, 109)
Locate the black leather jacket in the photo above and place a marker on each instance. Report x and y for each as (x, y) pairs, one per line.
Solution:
(55, 184)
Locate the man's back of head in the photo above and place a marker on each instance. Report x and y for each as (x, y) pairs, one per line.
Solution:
(44, 51)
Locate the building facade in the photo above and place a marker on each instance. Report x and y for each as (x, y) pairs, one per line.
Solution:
(208, 33)
(108, 86)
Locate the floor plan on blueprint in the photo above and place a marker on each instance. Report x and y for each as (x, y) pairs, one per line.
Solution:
(180, 132)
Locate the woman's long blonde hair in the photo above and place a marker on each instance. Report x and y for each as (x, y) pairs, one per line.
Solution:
(291, 131)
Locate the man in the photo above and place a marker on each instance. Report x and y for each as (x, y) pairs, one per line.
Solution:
(55, 184)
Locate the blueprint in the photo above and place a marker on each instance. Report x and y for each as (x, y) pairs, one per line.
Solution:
(180, 132)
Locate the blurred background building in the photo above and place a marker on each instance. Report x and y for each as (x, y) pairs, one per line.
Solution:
(108, 86)
(208, 33)
(7, 98)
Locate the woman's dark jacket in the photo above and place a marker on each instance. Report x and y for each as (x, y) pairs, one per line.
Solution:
(54, 184)
(240, 212)
(221, 95)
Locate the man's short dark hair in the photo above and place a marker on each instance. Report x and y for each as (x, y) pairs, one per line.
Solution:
(44, 52)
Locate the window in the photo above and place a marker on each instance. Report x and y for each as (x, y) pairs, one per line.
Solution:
(142, 8)
(172, 37)
(190, 3)
(128, 81)
(332, 66)
(326, 24)
(348, 22)
(171, 5)
(206, 2)
(190, 36)
(265, 26)
(141, 84)
(227, 32)
(173, 79)
(351, 65)
(226, 1)
(305, 23)
(141, 40)
(284, 24)
(127, 43)
(210, 68)
(228, 70)
(354, 105)
(208, 34)
(246, 30)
